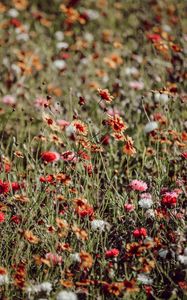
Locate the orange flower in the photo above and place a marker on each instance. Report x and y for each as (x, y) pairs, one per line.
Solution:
(113, 60)
(30, 237)
(20, 4)
(128, 147)
(3, 271)
(116, 123)
(86, 260)
(66, 283)
(81, 234)
(21, 198)
(105, 95)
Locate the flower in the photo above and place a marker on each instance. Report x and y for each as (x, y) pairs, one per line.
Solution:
(50, 156)
(150, 126)
(41, 102)
(80, 127)
(54, 258)
(100, 225)
(4, 279)
(75, 257)
(59, 64)
(128, 148)
(2, 217)
(145, 279)
(184, 155)
(146, 201)
(116, 123)
(112, 253)
(141, 232)
(66, 295)
(138, 185)
(169, 198)
(45, 287)
(69, 156)
(129, 207)
(9, 100)
(105, 95)
(163, 98)
(4, 187)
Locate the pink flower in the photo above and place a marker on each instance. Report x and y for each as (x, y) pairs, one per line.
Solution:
(55, 259)
(2, 217)
(113, 111)
(129, 207)
(50, 156)
(136, 85)
(138, 185)
(112, 253)
(63, 123)
(69, 156)
(40, 102)
(9, 100)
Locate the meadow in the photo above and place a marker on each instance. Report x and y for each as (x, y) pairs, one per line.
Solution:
(93, 152)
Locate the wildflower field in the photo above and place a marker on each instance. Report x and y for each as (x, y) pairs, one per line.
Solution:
(93, 153)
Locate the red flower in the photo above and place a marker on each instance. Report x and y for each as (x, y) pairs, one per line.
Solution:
(4, 187)
(105, 139)
(16, 186)
(153, 37)
(2, 217)
(141, 232)
(170, 199)
(48, 178)
(50, 156)
(16, 219)
(184, 155)
(15, 22)
(112, 253)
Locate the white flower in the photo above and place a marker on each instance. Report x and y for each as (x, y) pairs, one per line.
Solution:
(163, 253)
(75, 257)
(66, 295)
(13, 13)
(42, 287)
(100, 225)
(88, 37)
(162, 98)
(59, 64)
(62, 45)
(131, 71)
(150, 213)
(145, 279)
(92, 14)
(70, 130)
(145, 203)
(59, 35)
(151, 126)
(16, 69)
(45, 287)
(4, 279)
(182, 259)
(22, 37)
